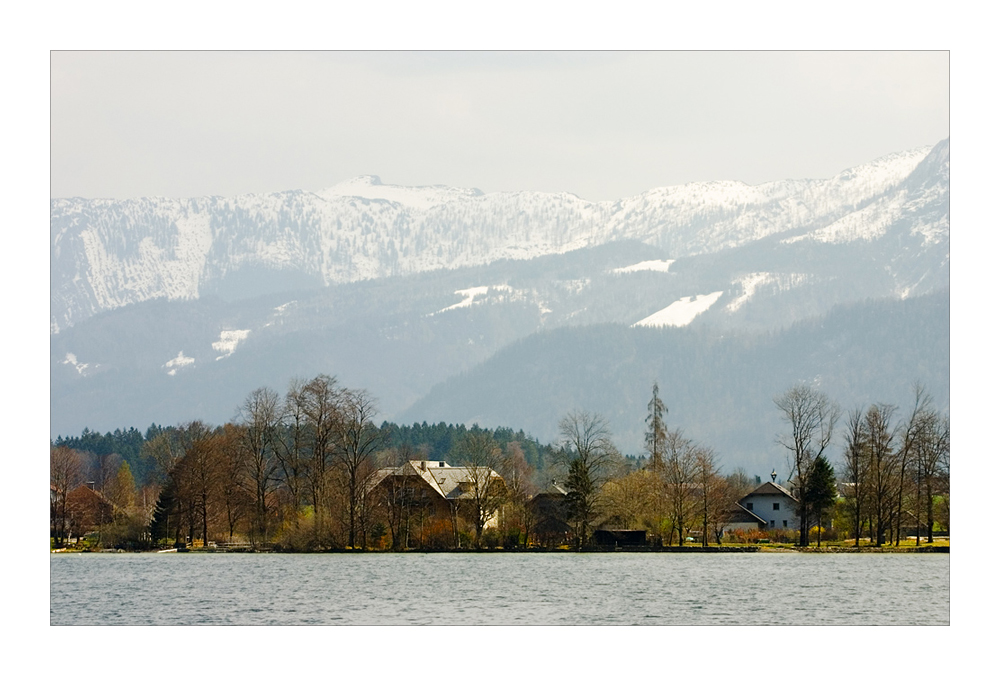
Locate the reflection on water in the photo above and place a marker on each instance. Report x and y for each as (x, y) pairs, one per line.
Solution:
(503, 589)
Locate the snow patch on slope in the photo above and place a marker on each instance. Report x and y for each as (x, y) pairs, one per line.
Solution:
(470, 296)
(681, 312)
(71, 360)
(653, 266)
(752, 282)
(478, 295)
(228, 340)
(178, 362)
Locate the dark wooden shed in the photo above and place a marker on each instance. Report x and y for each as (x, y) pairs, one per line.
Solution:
(620, 538)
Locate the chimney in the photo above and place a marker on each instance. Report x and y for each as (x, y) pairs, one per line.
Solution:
(423, 465)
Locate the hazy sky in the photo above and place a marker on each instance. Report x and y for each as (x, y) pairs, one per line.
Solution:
(602, 125)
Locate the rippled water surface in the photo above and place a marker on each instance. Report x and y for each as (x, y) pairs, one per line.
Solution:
(507, 589)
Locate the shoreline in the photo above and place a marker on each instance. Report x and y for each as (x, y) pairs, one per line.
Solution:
(752, 549)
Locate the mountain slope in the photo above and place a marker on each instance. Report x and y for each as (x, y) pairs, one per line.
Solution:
(170, 310)
(718, 388)
(108, 254)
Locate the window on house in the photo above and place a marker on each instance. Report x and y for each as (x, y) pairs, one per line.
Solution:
(772, 523)
(749, 505)
(784, 524)
(776, 506)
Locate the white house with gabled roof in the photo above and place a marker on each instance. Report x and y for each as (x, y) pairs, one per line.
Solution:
(773, 504)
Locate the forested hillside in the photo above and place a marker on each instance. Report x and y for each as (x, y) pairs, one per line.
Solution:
(718, 386)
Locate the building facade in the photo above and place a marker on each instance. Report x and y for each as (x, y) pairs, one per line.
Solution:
(773, 504)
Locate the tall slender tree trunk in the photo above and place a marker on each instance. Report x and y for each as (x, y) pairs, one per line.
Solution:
(803, 522)
(930, 514)
(204, 520)
(352, 507)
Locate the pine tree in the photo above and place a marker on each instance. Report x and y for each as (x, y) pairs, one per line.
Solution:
(821, 492)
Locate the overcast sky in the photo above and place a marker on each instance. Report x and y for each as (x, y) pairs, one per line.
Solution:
(602, 125)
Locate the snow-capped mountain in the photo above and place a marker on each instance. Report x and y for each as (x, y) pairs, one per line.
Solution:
(108, 254)
(509, 308)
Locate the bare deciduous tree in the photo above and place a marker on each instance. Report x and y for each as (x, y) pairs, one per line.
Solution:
(201, 476)
(236, 502)
(518, 516)
(812, 418)
(630, 499)
(357, 441)
(679, 471)
(65, 474)
(588, 455)
(321, 401)
(293, 448)
(259, 416)
(717, 498)
(857, 461)
(879, 436)
(932, 462)
(915, 430)
(482, 458)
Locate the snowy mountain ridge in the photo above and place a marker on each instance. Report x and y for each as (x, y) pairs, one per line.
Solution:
(108, 254)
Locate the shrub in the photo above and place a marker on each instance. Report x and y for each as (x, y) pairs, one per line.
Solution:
(490, 538)
(828, 534)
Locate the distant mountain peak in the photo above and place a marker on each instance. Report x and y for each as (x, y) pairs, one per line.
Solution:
(419, 197)
(113, 253)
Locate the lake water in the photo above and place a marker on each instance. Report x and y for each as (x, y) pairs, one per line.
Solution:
(499, 589)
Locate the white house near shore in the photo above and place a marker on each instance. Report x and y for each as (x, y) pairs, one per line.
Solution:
(773, 504)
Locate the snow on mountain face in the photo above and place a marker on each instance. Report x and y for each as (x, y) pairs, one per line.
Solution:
(107, 253)
(178, 362)
(228, 341)
(644, 266)
(681, 312)
(919, 202)
(752, 282)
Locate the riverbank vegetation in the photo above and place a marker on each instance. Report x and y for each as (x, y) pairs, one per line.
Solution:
(299, 471)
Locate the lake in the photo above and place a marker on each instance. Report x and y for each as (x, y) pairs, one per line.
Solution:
(499, 589)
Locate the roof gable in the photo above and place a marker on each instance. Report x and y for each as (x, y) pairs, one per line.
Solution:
(448, 482)
(741, 514)
(769, 488)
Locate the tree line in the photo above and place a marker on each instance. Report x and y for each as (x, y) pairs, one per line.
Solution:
(290, 470)
(893, 474)
(295, 471)
(894, 467)
(679, 492)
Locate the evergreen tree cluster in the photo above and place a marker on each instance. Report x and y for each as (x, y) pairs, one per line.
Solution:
(443, 441)
(127, 444)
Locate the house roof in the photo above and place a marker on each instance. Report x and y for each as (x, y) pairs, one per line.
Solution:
(448, 482)
(741, 514)
(553, 489)
(769, 488)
